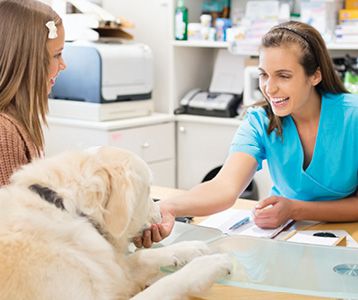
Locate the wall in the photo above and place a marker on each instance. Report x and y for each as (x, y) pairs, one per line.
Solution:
(151, 19)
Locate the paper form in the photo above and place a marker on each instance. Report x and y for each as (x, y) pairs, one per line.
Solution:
(226, 219)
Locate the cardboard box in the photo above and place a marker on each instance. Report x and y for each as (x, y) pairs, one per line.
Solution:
(348, 15)
(351, 4)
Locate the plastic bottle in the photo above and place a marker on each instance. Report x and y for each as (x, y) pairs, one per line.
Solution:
(181, 21)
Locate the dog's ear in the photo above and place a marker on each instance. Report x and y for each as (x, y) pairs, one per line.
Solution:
(118, 208)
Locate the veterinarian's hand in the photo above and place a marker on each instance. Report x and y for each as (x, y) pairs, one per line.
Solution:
(157, 232)
(273, 212)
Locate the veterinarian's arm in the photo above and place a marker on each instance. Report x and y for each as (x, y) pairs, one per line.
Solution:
(217, 194)
(204, 199)
(283, 209)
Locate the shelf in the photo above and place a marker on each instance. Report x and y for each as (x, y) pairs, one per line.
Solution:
(342, 46)
(208, 120)
(154, 118)
(201, 44)
(249, 48)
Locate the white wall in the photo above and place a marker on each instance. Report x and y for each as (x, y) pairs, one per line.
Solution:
(152, 27)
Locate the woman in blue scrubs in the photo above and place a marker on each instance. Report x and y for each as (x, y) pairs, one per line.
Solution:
(307, 130)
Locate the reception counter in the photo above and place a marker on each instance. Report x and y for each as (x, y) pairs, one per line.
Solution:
(220, 291)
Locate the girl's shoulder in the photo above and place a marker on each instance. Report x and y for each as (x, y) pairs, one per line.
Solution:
(10, 133)
(10, 124)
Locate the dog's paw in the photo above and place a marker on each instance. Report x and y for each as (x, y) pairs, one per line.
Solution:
(206, 270)
(215, 266)
(184, 252)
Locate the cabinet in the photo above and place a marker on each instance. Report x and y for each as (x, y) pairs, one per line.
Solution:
(152, 138)
(202, 146)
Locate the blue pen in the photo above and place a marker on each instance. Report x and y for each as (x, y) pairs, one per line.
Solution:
(240, 223)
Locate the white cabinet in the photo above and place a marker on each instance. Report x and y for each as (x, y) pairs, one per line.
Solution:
(203, 145)
(152, 138)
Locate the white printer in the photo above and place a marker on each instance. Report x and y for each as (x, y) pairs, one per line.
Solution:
(109, 81)
(105, 72)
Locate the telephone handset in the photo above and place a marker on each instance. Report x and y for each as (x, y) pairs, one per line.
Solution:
(199, 102)
(184, 102)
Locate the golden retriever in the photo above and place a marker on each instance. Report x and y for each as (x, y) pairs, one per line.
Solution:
(65, 226)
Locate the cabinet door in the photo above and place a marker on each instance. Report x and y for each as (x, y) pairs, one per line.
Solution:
(203, 147)
(200, 148)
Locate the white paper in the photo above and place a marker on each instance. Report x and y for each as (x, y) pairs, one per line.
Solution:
(254, 230)
(227, 74)
(227, 218)
(302, 238)
(307, 237)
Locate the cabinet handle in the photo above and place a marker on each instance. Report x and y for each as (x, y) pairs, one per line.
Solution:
(145, 145)
(182, 129)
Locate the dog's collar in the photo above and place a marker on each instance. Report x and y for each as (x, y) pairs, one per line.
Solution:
(52, 197)
(48, 194)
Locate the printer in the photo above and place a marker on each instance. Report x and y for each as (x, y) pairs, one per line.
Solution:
(105, 72)
(103, 81)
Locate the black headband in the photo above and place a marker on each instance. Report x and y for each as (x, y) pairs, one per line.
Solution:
(302, 36)
(297, 33)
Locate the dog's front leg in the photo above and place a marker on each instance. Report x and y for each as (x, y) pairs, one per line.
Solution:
(194, 278)
(149, 261)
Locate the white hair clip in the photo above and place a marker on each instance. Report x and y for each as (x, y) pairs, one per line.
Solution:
(52, 34)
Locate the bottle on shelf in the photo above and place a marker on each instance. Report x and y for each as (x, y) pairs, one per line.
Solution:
(181, 21)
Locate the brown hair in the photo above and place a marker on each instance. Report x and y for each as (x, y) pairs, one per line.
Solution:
(24, 62)
(314, 55)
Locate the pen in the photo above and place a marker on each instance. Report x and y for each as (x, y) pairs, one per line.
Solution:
(240, 223)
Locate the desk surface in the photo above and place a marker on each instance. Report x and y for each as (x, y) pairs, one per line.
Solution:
(219, 292)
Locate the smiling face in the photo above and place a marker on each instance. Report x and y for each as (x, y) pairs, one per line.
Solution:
(284, 83)
(57, 64)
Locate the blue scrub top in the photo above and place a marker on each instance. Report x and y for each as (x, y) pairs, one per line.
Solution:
(333, 170)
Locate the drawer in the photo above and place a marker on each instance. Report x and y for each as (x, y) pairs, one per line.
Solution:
(152, 143)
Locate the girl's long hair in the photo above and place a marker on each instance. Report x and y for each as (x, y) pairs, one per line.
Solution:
(24, 63)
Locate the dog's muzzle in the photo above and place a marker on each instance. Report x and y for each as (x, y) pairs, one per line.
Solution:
(155, 216)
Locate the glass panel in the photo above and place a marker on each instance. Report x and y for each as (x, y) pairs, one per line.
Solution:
(272, 265)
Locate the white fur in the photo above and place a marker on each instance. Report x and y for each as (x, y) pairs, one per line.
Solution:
(49, 253)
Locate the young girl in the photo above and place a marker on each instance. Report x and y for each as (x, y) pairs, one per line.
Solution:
(31, 42)
(307, 131)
